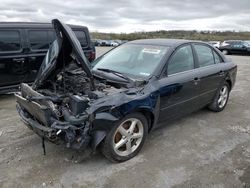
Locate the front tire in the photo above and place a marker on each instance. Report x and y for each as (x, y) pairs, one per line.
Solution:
(220, 99)
(126, 138)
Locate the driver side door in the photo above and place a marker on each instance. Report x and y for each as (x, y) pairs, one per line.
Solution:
(179, 87)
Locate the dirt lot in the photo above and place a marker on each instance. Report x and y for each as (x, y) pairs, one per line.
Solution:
(204, 149)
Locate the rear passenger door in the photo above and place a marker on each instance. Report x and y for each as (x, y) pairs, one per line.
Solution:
(211, 69)
(13, 59)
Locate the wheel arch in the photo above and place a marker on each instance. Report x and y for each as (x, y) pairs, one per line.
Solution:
(229, 83)
(99, 135)
(149, 116)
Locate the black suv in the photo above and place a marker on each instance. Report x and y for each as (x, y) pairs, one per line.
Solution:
(23, 47)
(235, 47)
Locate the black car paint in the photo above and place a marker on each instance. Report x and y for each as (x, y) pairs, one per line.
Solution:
(22, 65)
(167, 98)
(160, 98)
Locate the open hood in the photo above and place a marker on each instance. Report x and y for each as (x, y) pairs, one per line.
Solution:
(65, 49)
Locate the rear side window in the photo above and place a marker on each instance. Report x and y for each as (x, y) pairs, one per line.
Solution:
(181, 61)
(205, 55)
(81, 36)
(9, 40)
(39, 40)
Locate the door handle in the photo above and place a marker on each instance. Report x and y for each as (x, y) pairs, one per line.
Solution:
(196, 80)
(33, 58)
(221, 73)
(19, 60)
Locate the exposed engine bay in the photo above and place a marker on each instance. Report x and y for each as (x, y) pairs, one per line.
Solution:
(61, 105)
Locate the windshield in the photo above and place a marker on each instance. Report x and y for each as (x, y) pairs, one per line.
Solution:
(132, 59)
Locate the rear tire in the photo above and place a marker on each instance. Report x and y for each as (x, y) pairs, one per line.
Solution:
(220, 99)
(126, 138)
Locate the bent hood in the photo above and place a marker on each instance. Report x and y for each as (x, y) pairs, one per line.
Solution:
(60, 54)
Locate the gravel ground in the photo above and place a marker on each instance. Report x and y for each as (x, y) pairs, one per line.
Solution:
(204, 149)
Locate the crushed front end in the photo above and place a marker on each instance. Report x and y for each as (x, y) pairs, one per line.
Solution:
(67, 103)
(55, 119)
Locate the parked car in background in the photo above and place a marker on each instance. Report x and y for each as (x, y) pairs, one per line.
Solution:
(119, 42)
(235, 47)
(114, 43)
(104, 43)
(23, 47)
(108, 42)
(127, 93)
(97, 42)
(215, 44)
(248, 42)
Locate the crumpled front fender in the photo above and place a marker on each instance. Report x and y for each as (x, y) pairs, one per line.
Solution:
(101, 125)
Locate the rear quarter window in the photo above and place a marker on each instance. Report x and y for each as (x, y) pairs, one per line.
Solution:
(217, 58)
(81, 36)
(10, 40)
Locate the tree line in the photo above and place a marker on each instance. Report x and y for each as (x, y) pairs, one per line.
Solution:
(177, 34)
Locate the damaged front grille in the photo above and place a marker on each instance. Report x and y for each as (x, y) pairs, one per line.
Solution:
(51, 120)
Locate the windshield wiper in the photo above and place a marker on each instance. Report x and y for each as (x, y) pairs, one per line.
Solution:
(121, 75)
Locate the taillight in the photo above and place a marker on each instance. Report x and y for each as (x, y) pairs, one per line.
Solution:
(92, 56)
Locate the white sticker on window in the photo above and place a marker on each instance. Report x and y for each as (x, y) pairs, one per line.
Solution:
(144, 73)
(151, 51)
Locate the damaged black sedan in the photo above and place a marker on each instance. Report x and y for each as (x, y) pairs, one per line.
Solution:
(129, 91)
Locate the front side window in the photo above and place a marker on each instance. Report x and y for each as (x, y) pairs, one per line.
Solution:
(39, 40)
(9, 40)
(134, 60)
(205, 55)
(182, 60)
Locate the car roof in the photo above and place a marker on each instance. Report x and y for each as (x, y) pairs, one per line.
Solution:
(32, 25)
(163, 42)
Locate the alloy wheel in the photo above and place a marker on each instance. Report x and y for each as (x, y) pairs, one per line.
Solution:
(128, 137)
(223, 96)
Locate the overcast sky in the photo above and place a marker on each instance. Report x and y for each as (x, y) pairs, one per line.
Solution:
(134, 15)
